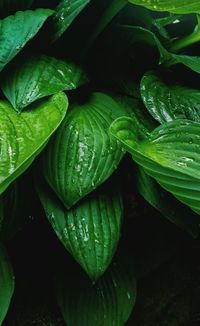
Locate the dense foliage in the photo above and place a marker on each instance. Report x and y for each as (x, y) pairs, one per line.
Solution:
(99, 108)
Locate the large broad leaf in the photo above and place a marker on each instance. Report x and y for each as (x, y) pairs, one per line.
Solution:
(166, 103)
(39, 77)
(90, 230)
(172, 209)
(23, 136)
(17, 30)
(66, 12)
(83, 154)
(170, 154)
(6, 283)
(109, 302)
(174, 6)
(8, 7)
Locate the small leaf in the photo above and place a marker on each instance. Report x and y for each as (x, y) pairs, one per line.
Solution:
(109, 302)
(17, 30)
(66, 12)
(90, 230)
(170, 154)
(166, 103)
(39, 77)
(169, 207)
(8, 7)
(22, 137)
(83, 154)
(6, 283)
(174, 6)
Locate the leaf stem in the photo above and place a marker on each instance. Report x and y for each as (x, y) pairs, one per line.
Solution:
(114, 7)
(185, 42)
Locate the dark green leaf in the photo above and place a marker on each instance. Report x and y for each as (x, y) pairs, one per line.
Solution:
(17, 30)
(168, 102)
(174, 6)
(39, 77)
(170, 154)
(8, 7)
(6, 283)
(66, 12)
(109, 302)
(83, 154)
(167, 204)
(24, 136)
(90, 230)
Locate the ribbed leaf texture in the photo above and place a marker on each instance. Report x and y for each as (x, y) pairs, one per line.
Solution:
(38, 77)
(66, 12)
(17, 30)
(166, 103)
(83, 154)
(171, 154)
(6, 283)
(109, 302)
(23, 136)
(174, 6)
(90, 230)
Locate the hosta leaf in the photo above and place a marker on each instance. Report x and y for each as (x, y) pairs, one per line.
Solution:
(90, 230)
(8, 7)
(66, 12)
(17, 30)
(172, 209)
(6, 283)
(23, 136)
(171, 154)
(109, 302)
(83, 154)
(174, 6)
(166, 102)
(39, 77)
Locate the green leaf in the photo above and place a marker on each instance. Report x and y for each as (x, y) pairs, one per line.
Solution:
(174, 6)
(109, 302)
(22, 137)
(90, 230)
(83, 154)
(170, 154)
(38, 77)
(17, 30)
(66, 12)
(8, 7)
(173, 210)
(6, 283)
(168, 102)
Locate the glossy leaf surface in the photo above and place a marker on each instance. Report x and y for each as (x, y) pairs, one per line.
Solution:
(83, 154)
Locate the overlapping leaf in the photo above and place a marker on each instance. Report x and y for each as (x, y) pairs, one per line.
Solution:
(17, 30)
(38, 77)
(83, 154)
(109, 302)
(6, 283)
(23, 136)
(166, 102)
(170, 154)
(90, 230)
(174, 6)
(66, 12)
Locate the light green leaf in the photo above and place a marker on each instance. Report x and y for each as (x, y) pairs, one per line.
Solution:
(174, 6)
(38, 77)
(66, 12)
(83, 154)
(17, 30)
(22, 137)
(167, 102)
(8, 7)
(109, 302)
(170, 154)
(164, 202)
(6, 283)
(90, 230)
